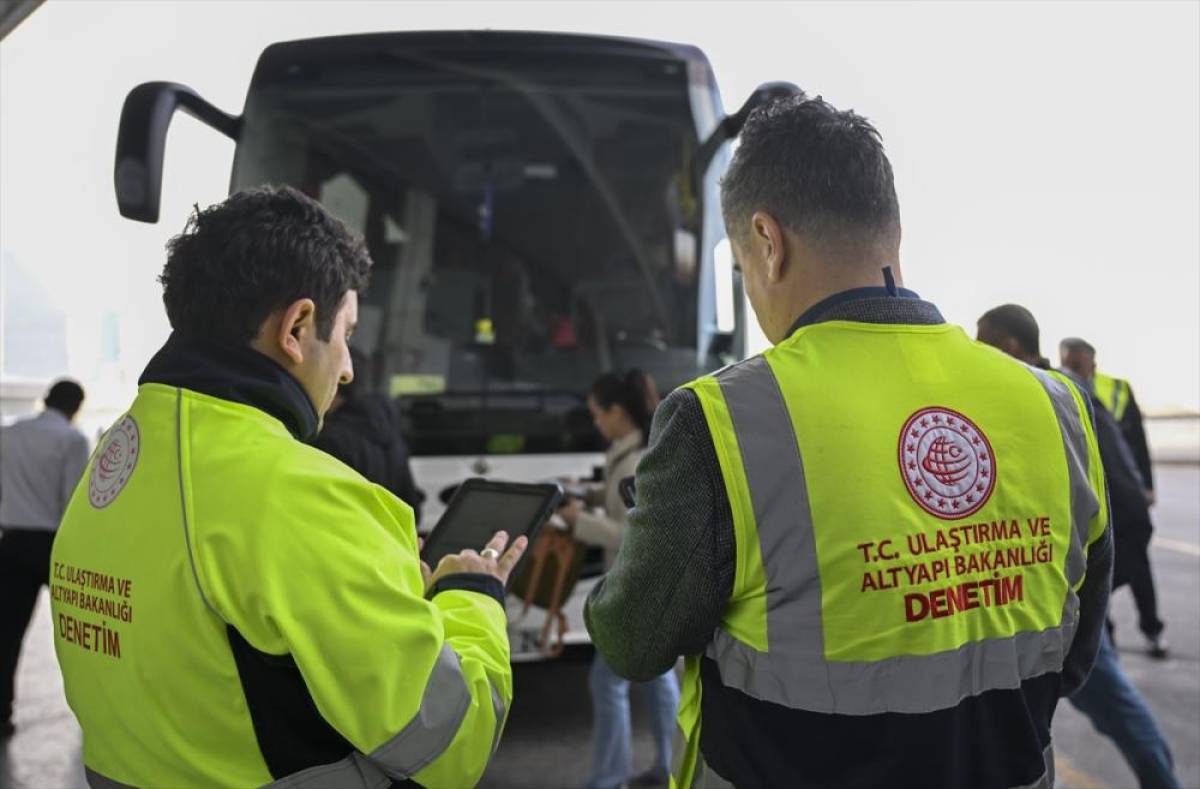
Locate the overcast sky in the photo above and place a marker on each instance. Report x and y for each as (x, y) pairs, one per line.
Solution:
(1047, 154)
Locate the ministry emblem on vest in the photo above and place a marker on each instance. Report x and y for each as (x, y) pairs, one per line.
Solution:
(946, 462)
(114, 463)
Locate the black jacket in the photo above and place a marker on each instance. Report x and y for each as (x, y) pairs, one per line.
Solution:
(1128, 508)
(365, 435)
(1134, 431)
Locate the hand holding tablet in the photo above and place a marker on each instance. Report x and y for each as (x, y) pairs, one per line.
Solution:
(492, 560)
(482, 509)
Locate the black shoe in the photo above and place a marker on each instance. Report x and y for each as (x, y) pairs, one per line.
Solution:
(1156, 647)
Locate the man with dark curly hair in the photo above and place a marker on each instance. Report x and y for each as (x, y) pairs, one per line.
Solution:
(234, 607)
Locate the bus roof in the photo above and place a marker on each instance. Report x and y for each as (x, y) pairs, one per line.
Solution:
(491, 48)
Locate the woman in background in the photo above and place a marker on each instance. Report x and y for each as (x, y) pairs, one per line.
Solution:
(621, 409)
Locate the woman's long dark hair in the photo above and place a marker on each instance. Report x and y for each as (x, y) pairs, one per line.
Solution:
(635, 392)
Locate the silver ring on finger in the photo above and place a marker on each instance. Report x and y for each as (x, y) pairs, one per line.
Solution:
(490, 553)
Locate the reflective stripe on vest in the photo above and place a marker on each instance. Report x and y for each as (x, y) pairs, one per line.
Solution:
(685, 752)
(799, 630)
(353, 772)
(443, 707)
(1113, 393)
(430, 732)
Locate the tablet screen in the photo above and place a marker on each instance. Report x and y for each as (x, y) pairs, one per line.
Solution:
(478, 512)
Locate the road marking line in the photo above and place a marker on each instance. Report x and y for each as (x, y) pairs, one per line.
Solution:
(1067, 774)
(1190, 548)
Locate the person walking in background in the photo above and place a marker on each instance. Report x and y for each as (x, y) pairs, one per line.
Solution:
(1079, 356)
(622, 408)
(1133, 542)
(41, 460)
(362, 431)
(1107, 698)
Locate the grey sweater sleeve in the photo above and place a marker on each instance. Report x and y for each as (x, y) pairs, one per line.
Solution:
(1093, 611)
(673, 575)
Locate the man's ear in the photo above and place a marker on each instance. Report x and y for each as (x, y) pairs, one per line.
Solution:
(297, 326)
(767, 236)
(1012, 347)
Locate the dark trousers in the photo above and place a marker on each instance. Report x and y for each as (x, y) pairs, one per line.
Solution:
(24, 570)
(1133, 569)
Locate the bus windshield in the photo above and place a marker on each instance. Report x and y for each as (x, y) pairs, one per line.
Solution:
(530, 230)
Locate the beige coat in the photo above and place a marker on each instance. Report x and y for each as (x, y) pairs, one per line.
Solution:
(604, 524)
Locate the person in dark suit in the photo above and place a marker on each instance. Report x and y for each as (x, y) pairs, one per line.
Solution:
(362, 430)
(1079, 356)
(1132, 540)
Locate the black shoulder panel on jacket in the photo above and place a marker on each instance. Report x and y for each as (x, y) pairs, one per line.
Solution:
(292, 735)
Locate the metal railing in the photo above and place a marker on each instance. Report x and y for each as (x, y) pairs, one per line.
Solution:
(1174, 439)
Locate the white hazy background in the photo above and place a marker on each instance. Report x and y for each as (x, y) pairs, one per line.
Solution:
(1046, 154)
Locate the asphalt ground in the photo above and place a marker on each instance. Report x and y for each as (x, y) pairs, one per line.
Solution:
(546, 742)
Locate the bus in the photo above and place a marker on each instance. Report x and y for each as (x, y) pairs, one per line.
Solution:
(540, 208)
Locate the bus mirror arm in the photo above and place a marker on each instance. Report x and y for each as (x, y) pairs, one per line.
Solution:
(720, 345)
(142, 137)
(731, 125)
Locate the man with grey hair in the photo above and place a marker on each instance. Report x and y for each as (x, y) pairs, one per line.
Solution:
(1079, 356)
(882, 548)
(1132, 542)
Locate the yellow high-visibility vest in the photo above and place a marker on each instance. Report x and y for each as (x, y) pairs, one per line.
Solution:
(912, 514)
(1112, 392)
(202, 520)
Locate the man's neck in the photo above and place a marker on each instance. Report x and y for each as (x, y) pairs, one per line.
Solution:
(829, 287)
(834, 279)
(1033, 360)
(829, 266)
(238, 373)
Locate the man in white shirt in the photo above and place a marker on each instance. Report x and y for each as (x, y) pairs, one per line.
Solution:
(41, 460)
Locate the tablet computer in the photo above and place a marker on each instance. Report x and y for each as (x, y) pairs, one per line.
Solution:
(480, 508)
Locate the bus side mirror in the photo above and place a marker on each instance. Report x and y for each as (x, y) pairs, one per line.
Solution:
(142, 138)
(731, 125)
